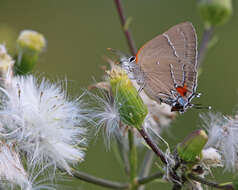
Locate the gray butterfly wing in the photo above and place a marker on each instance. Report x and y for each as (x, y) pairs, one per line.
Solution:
(170, 60)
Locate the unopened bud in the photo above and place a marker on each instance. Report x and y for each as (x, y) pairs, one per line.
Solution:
(6, 63)
(131, 107)
(215, 12)
(29, 45)
(190, 149)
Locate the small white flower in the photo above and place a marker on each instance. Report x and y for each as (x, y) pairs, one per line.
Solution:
(12, 172)
(43, 122)
(223, 133)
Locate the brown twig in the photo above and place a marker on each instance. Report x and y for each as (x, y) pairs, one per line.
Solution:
(127, 33)
(152, 145)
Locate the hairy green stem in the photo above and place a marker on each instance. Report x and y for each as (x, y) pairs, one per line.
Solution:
(132, 158)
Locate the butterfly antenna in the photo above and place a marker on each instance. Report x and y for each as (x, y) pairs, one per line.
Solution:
(117, 52)
(200, 106)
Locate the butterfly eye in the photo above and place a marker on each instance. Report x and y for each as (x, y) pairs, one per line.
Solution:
(132, 59)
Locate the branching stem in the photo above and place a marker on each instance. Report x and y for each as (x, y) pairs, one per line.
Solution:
(152, 145)
(111, 184)
(99, 181)
(211, 183)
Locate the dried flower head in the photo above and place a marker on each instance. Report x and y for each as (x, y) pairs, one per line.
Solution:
(104, 113)
(12, 172)
(42, 121)
(223, 132)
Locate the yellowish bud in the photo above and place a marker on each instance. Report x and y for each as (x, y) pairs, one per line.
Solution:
(131, 107)
(6, 62)
(32, 40)
(29, 45)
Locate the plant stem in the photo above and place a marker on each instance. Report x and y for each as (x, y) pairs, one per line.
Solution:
(145, 180)
(127, 33)
(157, 151)
(99, 181)
(207, 36)
(123, 154)
(147, 162)
(111, 184)
(146, 166)
(132, 158)
(211, 183)
(152, 145)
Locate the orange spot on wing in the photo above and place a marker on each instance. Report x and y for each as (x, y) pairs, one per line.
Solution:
(139, 53)
(182, 90)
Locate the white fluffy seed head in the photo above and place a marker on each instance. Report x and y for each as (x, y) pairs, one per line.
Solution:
(41, 120)
(12, 172)
(223, 133)
(104, 114)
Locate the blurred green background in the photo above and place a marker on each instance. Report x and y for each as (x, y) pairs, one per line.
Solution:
(78, 33)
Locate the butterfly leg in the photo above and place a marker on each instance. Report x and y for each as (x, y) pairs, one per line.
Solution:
(141, 88)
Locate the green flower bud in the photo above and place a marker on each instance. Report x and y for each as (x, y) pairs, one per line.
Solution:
(215, 12)
(29, 45)
(132, 109)
(190, 149)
